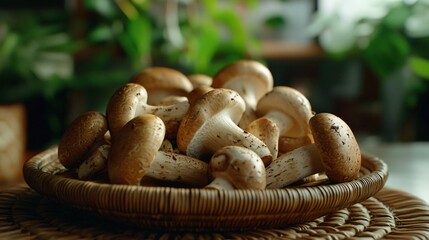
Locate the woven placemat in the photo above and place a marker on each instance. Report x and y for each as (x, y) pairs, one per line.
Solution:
(391, 214)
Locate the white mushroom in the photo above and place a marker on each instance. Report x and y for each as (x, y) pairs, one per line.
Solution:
(211, 123)
(235, 167)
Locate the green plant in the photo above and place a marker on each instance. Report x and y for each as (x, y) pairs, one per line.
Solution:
(387, 35)
(35, 55)
(195, 36)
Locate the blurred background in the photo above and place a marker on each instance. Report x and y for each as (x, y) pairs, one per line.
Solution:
(367, 63)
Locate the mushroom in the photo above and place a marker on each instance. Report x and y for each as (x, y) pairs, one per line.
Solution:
(268, 132)
(95, 163)
(161, 82)
(250, 79)
(290, 110)
(211, 123)
(335, 151)
(337, 146)
(197, 93)
(136, 155)
(85, 134)
(200, 80)
(235, 167)
(130, 100)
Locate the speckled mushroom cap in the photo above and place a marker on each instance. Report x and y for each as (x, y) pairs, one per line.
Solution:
(240, 166)
(247, 77)
(161, 82)
(337, 146)
(123, 104)
(131, 156)
(292, 103)
(80, 138)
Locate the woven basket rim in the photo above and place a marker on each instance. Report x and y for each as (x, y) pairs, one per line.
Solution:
(195, 207)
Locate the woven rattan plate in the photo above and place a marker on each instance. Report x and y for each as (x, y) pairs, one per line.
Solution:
(198, 210)
(390, 214)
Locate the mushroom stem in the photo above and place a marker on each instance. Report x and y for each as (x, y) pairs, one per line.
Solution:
(211, 123)
(283, 121)
(95, 163)
(293, 166)
(171, 115)
(220, 131)
(220, 183)
(130, 100)
(174, 167)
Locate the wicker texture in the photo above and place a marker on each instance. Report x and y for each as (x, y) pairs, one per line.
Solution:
(191, 209)
(390, 214)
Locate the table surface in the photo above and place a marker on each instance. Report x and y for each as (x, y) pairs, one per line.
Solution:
(408, 165)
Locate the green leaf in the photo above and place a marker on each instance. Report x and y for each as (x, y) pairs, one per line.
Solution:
(420, 66)
(105, 8)
(387, 51)
(276, 21)
(397, 16)
(203, 46)
(231, 21)
(101, 33)
(136, 39)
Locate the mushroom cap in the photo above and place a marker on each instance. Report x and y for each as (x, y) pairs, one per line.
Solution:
(161, 82)
(245, 77)
(131, 156)
(80, 138)
(200, 80)
(123, 104)
(212, 103)
(197, 92)
(290, 102)
(337, 146)
(240, 166)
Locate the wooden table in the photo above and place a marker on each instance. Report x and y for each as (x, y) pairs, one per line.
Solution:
(408, 165)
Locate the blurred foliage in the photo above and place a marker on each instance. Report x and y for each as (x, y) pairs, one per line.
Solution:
(194, 36)
(35, 54)
(84, 49)
(98, 43)
(387, 35)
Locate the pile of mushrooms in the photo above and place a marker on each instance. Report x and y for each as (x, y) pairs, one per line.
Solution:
(231, 131)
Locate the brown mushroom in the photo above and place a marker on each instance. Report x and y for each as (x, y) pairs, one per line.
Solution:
(268, 132)
(161, 82)
(130, 100)
(235, 167)
(81, 138)
(337, 146)
(197, 93)
(200, 80)
(250, 79)
(211, 123)
(136, 155)
(335, 152)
